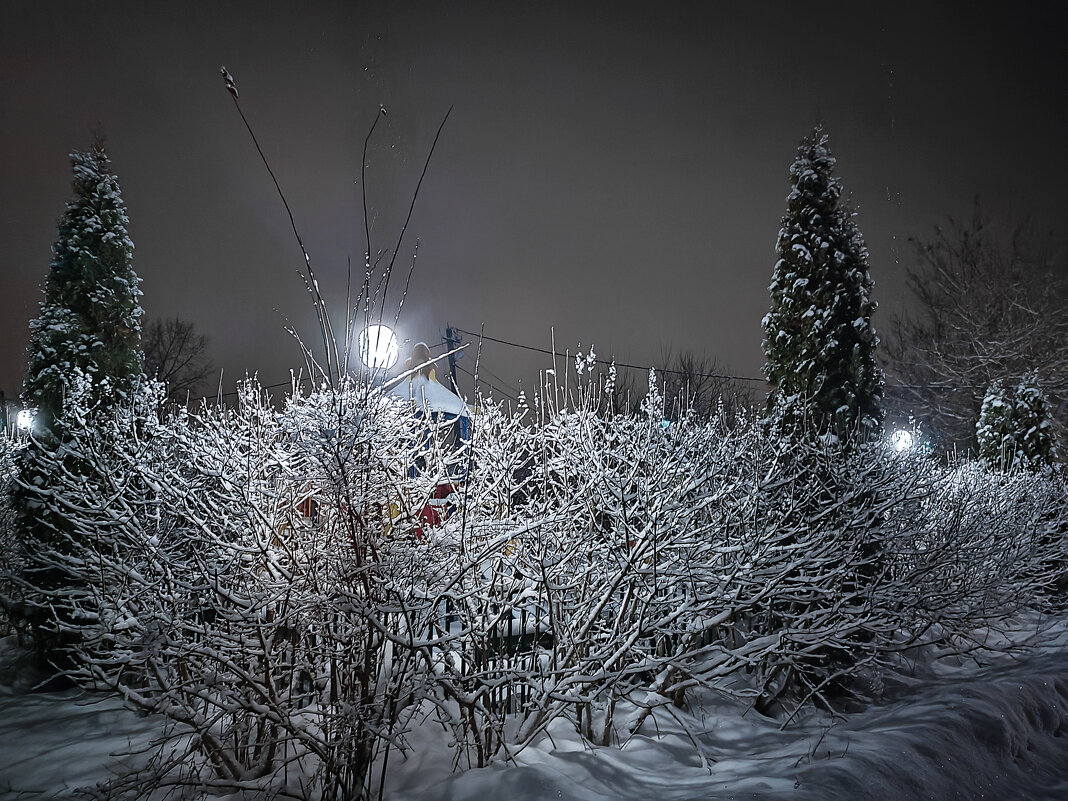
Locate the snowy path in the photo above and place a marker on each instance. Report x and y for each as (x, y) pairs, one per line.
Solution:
(54, 742)
(999, 733)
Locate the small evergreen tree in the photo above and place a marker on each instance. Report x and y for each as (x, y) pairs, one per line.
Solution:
(819, 343)
(91, 313)
(1015, 428)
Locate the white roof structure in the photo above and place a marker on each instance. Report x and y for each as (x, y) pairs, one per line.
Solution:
(432, 395)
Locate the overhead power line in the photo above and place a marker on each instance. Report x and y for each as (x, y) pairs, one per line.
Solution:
(499, 382)
(221, 395)
(609, 362)
(547, 352)
(489, 384)
(500, 386)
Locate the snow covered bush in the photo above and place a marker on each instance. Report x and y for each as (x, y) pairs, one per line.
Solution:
(264, 577)
(622, 540)
(199, 590)
(980, 547)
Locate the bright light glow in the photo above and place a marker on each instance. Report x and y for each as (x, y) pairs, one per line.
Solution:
(901, 440)
(378, 347)
(24, 419)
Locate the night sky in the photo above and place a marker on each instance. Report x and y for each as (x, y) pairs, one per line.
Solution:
(607, 175)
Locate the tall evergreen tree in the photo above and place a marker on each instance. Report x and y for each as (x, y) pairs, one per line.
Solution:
(819, 343)
(91, 313)
(819, 348)
(85, 350)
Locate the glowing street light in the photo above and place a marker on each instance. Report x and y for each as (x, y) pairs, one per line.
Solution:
(378, 347)
(901, 440)
(24, 419)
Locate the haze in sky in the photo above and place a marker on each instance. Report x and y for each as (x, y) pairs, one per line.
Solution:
(608, 174)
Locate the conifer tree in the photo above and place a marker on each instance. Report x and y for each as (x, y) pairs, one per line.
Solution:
(819, 343)
(819, 348)
(84, 352)
(91, 313)
(1015, 428)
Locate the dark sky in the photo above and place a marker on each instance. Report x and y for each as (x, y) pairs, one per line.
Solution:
(607, 176)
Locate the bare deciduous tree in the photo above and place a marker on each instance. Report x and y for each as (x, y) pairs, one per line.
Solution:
(987, 306)
(176, 355)
(701, 385)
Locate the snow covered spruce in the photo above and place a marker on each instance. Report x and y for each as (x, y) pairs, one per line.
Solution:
(263, 578)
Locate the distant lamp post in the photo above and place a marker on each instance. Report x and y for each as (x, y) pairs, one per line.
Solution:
(902, 440)
(24, 420)
(378, 347)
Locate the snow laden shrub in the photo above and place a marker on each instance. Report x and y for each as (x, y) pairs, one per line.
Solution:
(819, 343)
(976, 549)
(657, 558)
(1015, 428)
(364, 574)
(575, 576)
(97, 509)
(815, 531)
(477, 617)
(620, 533)
(224, 568)
(269, 581)
(318, 595)
(867, 552)
(74, 498)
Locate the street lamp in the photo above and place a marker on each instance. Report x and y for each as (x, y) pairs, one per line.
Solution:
(24, 420)
(901, 440)
(378, 347)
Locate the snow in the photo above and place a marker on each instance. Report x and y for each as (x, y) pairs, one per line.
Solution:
(942, 731)
(55, 742)
(433, 395)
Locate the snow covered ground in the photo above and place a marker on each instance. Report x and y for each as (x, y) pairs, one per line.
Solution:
(952, 731)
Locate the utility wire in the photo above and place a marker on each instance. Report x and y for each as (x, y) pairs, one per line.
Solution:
(608, 362)
(500, 387)
(547, 352)
(500, 381)
(489, 384)
(221, 395)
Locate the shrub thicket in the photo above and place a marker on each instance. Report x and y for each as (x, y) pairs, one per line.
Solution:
(263, 579)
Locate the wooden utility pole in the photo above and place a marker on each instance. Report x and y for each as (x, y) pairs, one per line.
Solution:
(452, 341)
